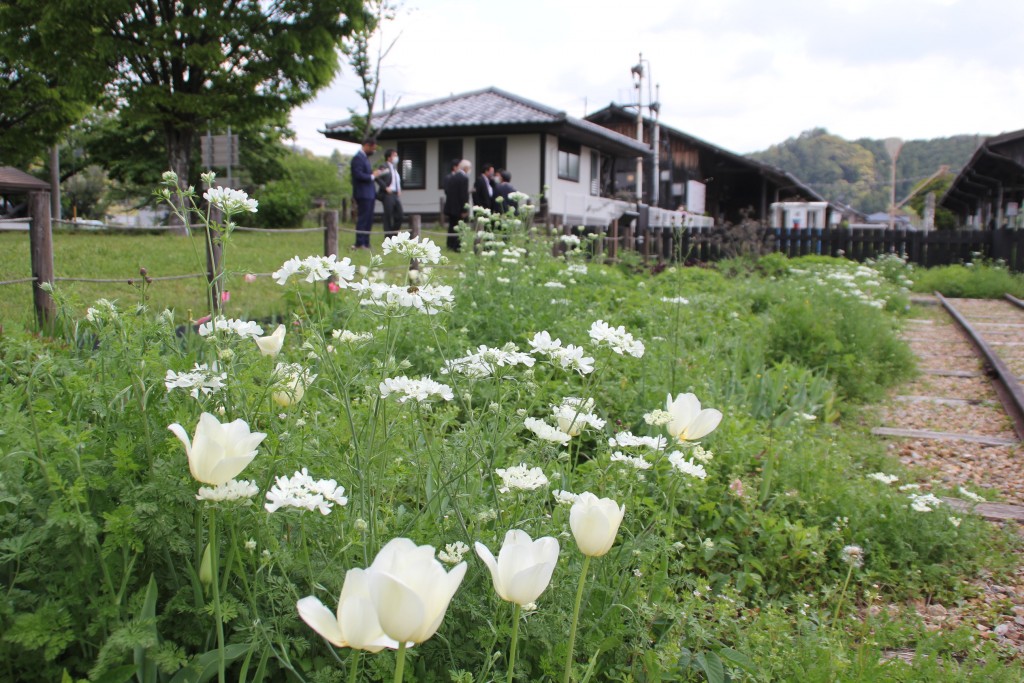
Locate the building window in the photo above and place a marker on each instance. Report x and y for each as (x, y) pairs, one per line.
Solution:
(568, 160)
(491, 151)
(595, 173)
(413, 162)
(447, 152)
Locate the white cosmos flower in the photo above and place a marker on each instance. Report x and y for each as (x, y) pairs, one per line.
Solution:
(242, 328)
(355, 624)
(628, 440)
(317, 269)
(272, 343)
(305, 493)
(620, 341)
(414, 247)
(199, 380)
(231, 490)
(573, 414)
(523, 568)
(689, 422)
(420, 390)
(545, 431)
(637, 462)
(230, 201)
(219, 452)
(684, 466)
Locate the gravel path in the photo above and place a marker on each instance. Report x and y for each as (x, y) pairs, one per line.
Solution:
(996, 611)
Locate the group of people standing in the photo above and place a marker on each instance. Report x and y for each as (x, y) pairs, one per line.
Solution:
(490, 191)
(385, 184)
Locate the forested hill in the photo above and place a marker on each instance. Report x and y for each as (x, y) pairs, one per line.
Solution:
(857, 172)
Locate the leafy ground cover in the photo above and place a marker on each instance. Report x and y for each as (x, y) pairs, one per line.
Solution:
(449, 407)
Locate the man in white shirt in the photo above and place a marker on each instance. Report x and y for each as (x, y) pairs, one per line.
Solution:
(390, 182)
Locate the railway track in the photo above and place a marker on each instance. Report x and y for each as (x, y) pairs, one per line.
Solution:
(964, 415)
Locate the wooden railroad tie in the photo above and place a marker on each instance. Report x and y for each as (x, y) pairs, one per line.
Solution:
(944, 436)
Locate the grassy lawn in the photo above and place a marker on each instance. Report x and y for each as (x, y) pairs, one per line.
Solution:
(95, 255)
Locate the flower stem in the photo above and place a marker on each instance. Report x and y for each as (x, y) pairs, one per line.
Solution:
(400, 663)
(354, 667)
(214, 552)
(515, 641)
(575, 620)
(842, 595)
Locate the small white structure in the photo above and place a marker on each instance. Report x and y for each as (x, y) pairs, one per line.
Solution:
(798, 215)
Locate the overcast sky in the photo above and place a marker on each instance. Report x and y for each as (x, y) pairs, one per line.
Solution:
(742, 74)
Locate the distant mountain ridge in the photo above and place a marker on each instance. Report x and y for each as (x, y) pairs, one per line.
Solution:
(857, 172)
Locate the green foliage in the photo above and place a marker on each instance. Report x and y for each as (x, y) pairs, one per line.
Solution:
(979, 280)
(307, 178)
(857, 172)
(733, 576)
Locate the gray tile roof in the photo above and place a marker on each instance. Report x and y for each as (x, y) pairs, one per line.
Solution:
(486, 108)
(12, 179)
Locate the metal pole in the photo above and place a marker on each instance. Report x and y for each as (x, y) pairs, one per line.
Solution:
(893, 147)
(656, 144)
(639, 71)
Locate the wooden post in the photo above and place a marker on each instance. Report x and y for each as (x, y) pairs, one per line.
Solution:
(415, 225)
(613, 244)
(213, 258)
(41, 245)
(345, 215)
(330, 233)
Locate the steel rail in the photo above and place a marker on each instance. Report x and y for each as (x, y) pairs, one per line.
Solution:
(1006, 384)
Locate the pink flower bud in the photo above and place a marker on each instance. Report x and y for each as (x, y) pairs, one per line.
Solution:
(333, 287)
(225, 296)
(250, 277)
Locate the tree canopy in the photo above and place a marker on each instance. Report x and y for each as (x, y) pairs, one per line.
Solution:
(177, 66)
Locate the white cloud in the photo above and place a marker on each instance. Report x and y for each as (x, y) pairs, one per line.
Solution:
(743, 74)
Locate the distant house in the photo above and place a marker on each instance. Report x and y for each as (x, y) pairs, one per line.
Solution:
(989, 190)
(727, 185)
(542, 147)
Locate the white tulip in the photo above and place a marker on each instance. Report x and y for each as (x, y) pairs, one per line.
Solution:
(272, 343)
(523, 568)
(595, 522)
(356, 624)
(219, 452)
(689, 422)
(410, 590)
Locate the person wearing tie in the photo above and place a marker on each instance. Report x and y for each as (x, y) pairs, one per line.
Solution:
(391, 183)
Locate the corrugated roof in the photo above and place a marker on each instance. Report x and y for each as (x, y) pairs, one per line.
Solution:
(14, 180)
(490, 107)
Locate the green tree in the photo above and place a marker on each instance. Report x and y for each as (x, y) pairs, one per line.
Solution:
(177, 66)
(307, 178)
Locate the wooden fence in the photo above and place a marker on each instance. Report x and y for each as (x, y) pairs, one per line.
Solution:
(934, 248)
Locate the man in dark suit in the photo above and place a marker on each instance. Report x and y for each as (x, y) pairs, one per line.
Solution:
(390, 185)
(364, 192)
(483, 189)
(502, 191)
(456, 197)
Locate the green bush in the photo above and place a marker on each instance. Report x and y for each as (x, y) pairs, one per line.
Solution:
(974, 281)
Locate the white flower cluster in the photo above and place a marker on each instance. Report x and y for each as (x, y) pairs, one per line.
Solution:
(414, 247)
(103, 309)
(628, 440)
(486, 360)
(429, 299)
(616, 338)
(230, 201)
(569, 357)
(700, 455)
(519, 198)
(658, 417)
(420, 390)
(199, 379)
(636, 461)
(675, 300)
(573, 414)
(347, 337)
(554, 285)
(303, 492)
(521, 478)
(576, 269)
(545, 431)
(970, 495)
(883, 477)
(453, 552)
(924, 502)
(231, 490)
(565, 497)
(317, 269)
(570, 241)
(243, 328)
(852, 555)
(688, 467)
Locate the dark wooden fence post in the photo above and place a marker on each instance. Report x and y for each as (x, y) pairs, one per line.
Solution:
(613, 244)
(41, 245)
(330, 233)
(415, 225)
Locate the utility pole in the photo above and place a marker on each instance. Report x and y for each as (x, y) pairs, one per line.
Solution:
(893, 147)
(638, 73)
(656, 145)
